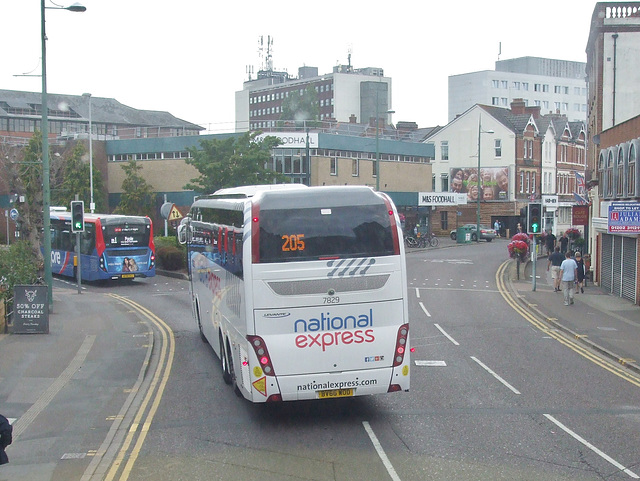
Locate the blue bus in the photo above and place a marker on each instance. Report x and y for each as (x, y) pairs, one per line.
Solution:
(111, 247)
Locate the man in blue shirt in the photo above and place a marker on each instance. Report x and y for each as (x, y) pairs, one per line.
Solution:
(569, 273)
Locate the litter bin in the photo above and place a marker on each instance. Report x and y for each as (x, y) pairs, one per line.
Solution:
(463, 235)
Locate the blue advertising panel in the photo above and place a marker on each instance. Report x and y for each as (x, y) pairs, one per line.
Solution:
(624, 217)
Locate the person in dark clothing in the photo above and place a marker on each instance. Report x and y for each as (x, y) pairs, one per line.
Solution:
(564, 243)
(555, 261)
(550, 241)
(6, 438)
(581, 273)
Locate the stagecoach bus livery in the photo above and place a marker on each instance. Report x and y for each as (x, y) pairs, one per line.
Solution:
(301, 291)
(111, 246)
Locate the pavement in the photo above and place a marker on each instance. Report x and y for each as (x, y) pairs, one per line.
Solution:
(64, 400)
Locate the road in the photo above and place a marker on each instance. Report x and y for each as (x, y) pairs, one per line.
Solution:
(493, 397)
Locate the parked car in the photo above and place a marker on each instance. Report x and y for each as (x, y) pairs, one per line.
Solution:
(486, 233)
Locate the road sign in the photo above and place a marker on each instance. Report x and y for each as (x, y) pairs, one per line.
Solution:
(14, 214)
(175, 214)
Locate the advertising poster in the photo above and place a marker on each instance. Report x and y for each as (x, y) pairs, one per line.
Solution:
(494, 183)
(624, 217)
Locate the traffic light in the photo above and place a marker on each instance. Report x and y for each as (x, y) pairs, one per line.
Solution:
(77, 216)
(534, 218)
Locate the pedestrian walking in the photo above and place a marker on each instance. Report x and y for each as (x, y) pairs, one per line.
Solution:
(550, 241)
(6, 438)
(496, 227)
(564, 243)
(580, 273)
(555, 261)
(569, 273)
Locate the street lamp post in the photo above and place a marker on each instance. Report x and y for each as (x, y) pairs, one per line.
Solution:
(480, 132)
(46, 189)
(92, 205)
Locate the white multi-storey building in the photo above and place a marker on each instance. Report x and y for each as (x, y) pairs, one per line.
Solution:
(556, 86)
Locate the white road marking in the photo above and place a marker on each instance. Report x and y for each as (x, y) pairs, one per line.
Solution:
(431, 363)
(424, 309)
(486, 368)
(446, 335)
(591, 446)
(380, 451)
(417, 293)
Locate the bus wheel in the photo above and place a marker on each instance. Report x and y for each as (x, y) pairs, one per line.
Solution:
(224, 362)
(202, 336)
(232, 373)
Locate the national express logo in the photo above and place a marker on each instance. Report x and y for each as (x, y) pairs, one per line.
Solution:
(329, 330)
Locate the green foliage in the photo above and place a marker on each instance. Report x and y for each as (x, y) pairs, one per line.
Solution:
(137, 196)
(302, 110)
(232, 162)
(170, 258)
(18, 265)
(76, 180)
(28, 182)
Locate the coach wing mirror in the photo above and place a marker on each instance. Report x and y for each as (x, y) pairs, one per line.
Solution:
(182, 233)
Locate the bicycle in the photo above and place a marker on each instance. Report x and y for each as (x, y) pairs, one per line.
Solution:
(433, 240)
(410, 241)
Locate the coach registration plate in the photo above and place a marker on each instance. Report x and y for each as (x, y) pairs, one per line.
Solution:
(330, 393)
(127, 276)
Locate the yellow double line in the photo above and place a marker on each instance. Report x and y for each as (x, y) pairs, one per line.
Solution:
(149, 406)
(555, 334)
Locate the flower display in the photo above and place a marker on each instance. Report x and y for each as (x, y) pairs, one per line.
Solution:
(573, 233)
(519, 246)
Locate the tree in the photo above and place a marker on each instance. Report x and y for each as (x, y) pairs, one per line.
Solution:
(76, 180)
(302, 110)
(27, 182)
(232, 162)
(138, 197)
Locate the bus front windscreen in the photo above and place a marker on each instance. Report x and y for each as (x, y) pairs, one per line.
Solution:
(298, 234)
(126, 235)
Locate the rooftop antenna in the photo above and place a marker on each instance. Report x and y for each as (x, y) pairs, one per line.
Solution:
(267, 57)
(499, 49)
(249, 71)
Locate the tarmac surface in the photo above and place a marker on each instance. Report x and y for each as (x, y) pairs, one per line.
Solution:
(42, 374)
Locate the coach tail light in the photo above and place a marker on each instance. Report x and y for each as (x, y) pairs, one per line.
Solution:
(262, 354)
(398, 355)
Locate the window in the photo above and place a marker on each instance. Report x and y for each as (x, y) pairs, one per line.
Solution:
(504, 101)
(495, 100)
(504, 84)
(521, 181)
(525, 85)
(374, 168)
(557, 89)
(498, 147)
(537, 87)
(620, 172)
(545, 104)
(355, 167)
(495, 84)
(565, 106)
(433, 182)
(576, 90)
(444, 220)
(334, 166)
(536, 103)
(516, 85)
(608, 191)
(545, 87)
(444, 182)
(533, 182)
(631, 171)
(444, 150)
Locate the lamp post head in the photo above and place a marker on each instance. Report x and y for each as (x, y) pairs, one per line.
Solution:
(86, 95)
(76, 7)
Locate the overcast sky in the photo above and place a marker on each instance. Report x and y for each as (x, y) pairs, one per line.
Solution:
(190, 57)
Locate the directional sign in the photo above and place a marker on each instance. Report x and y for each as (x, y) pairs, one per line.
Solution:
(175, 214)
(14, 214)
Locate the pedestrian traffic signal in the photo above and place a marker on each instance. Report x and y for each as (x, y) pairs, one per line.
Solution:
(77, 216)
(534, 218)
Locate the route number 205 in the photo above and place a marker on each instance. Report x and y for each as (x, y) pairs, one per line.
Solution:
(293, 242)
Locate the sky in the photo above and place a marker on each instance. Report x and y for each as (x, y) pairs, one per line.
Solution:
(190, 57)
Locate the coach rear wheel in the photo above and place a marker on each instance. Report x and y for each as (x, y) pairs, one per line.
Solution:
(224, 363)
